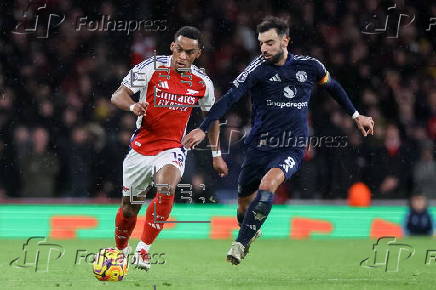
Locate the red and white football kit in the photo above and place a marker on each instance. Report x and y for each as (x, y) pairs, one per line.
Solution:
(171, 96)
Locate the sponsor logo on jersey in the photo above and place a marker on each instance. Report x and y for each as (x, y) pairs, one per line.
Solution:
(191, 92)
(289, 93)
(174, 101)
(301, 76)
(299, 105)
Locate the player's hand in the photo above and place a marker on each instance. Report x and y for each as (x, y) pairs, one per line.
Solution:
(220, 166)
(193, 138)
(365, 125)
(140, 108)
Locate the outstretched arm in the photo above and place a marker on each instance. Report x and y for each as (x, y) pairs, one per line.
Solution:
(245, 81)
(216, 112)
(364, 123)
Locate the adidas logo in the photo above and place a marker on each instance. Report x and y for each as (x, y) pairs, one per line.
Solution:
(164, 85)
(275, 78)
(155, 226)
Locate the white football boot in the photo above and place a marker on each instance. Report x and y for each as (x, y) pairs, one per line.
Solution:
(235, 253)
(141, 259)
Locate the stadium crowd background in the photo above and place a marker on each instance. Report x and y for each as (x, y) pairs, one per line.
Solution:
(61, 137)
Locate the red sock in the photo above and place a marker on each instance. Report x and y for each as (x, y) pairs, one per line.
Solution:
(123, 229)
(164, 204)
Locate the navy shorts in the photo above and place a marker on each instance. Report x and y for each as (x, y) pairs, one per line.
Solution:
(257, 163)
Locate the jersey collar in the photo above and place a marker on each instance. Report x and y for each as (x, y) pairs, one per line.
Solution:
(289, 59)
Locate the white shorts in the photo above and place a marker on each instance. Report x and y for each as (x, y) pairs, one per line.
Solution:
(138, 169)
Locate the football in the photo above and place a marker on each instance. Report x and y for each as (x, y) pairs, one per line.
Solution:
(110, 265)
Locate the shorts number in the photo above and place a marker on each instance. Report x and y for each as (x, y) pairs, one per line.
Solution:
(289, 163)
(179, 157)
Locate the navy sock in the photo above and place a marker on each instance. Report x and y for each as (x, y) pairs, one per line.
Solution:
(240, 216)
(256, 215)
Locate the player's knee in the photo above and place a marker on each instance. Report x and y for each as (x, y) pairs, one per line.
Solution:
(268, 184)
(166, 189)
(130, 210)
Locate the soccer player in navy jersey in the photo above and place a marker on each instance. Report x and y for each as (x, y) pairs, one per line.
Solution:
(280, 84)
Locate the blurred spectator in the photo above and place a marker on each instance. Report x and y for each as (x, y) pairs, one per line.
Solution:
(425, 172)
(79, 163)
(112, 167)
(39, 167)
(419, 221)
(391, 167)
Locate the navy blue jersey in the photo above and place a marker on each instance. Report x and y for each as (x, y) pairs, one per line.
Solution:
(419, 223)
(280, 101)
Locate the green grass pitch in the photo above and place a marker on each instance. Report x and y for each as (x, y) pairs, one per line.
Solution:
(200, 264)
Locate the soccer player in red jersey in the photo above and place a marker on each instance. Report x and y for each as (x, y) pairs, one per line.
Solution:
(169, 86)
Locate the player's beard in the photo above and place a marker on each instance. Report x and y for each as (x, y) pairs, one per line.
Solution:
(276, 58)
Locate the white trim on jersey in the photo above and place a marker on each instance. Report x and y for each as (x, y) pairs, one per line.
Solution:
(209, 96)
(138, 77)
(250, 68)
(304, 57)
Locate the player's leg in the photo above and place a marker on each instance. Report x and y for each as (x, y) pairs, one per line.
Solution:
(281, 167)
(248, 182)
(261, 205)
(159, 209)
(170, 165)
(256, 215)
(125, 222)
(243, 203)
(137, 177)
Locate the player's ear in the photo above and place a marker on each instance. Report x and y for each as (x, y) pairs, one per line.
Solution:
(172, 46)
(198, 53)
(285, 40)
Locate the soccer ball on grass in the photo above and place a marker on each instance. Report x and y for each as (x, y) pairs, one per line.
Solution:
(110, 265)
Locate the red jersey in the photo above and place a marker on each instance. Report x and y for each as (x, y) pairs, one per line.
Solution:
(171, 96)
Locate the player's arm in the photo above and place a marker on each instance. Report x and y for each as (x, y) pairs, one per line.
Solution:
(216, 112)
(122, 98)
(364, 123)
(241, 85)
(218, 162)
(135, 80)
(206, 103)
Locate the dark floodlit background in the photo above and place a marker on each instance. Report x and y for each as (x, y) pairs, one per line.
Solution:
(61, 137)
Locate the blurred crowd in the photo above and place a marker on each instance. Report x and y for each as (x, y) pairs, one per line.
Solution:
(61, 137)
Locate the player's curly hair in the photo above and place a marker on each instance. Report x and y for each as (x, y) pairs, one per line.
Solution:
(190, 32)
(269, 22)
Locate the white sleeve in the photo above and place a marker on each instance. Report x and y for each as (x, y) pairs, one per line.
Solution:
(139, 75)
(209, 97)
